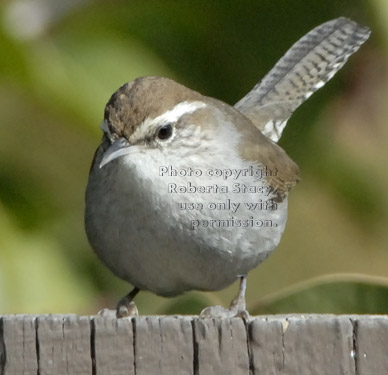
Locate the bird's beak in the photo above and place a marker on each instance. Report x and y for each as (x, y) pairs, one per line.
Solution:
(118, 148)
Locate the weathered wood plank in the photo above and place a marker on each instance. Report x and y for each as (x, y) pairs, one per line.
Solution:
(272, 345)
(63, 345)
(371, 341)
(163, 345)
(222, 346)
(19, 341)
(318, 345)
(112, 346)
(266, 347)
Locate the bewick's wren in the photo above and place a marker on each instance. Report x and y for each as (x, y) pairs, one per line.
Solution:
(186, 192)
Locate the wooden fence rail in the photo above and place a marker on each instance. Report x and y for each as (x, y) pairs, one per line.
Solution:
(184, 345)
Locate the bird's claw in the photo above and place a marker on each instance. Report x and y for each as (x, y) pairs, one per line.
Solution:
(126, 309)
(222, 313)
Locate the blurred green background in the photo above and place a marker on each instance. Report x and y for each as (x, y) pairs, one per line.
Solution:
(61, 60)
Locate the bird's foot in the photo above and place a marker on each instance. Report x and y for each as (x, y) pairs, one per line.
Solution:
(107, 313)
(126, 306)
(222, 312)
(237, 307)
(126, 309)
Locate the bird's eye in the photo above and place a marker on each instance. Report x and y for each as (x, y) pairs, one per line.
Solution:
(165, 132)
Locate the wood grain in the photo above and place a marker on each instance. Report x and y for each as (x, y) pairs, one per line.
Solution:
(265, 345)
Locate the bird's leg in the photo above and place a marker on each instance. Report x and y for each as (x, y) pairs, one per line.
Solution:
(237, 307)
(126, 306)
(238, 304)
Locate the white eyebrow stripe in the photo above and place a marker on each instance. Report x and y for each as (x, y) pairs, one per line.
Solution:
(170, 116)
(173, 115)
